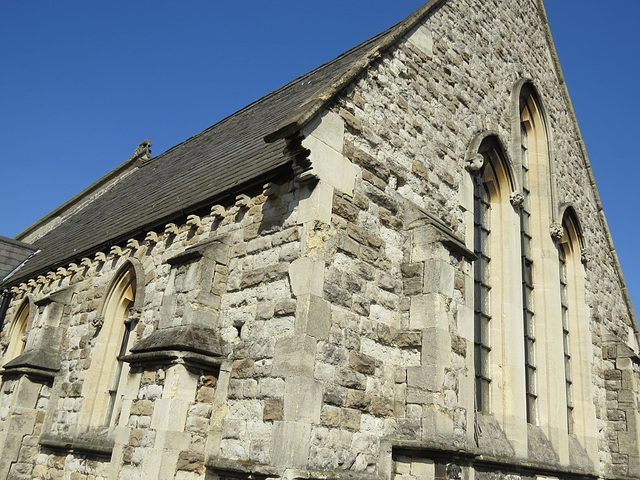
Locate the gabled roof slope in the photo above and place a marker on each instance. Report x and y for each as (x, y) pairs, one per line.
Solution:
(216, 161)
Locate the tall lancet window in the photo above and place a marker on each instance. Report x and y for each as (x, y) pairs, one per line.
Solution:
(527, 279)
(562, 262)
(493, 219)
(571, 279)
(482, 291)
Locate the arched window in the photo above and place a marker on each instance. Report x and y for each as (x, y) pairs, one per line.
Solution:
(534, 227)
(493, 228)
(106, 375)
(17, 332)
(571, 297)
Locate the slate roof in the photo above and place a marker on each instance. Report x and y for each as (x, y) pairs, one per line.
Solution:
(12, 254)
(221, 160)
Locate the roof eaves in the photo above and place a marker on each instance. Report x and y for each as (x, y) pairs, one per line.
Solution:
(306, 112)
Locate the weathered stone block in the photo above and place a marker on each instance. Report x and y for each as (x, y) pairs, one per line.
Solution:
(362, 363)
(273, 409)
(294, 356)
(291, 442)
(302, 399)
(306, 276)
(313, 316)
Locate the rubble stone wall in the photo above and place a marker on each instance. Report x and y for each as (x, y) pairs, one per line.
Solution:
(343, 305)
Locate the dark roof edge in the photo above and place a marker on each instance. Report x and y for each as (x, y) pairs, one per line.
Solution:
(18, 243)
(68, 207)
(305, 113)
(227, 196)
(586, 162)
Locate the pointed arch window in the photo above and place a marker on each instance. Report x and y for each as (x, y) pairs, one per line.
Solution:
(107, 374)
(492, 186)
(534, 213)
(17, 331)
(569, 261)
(482, 291)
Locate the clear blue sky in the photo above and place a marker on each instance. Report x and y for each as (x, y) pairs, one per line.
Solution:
(82, 83)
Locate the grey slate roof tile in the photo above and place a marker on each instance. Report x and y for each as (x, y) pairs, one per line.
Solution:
(229, 154)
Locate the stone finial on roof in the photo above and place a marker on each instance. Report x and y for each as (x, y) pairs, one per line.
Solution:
(143, 151)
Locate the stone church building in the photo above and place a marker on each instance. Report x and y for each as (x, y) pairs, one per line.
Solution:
(396, 267)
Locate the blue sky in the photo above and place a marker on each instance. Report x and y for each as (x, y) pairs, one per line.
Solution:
(83, 83)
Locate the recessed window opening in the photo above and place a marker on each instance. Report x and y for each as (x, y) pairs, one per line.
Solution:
(530, 132)
(17, 331)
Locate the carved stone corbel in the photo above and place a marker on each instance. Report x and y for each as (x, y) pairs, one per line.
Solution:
(218, 211)
(586, 257)
(244, 201)
(516, 199)
(97, 323)
(474, 162)
(134, 317)
(270, 189)
(171, 229)
(193, 221)
(302, 167)
(152, 237)
(556, 231)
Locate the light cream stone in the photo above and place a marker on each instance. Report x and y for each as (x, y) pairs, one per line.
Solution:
(328, 128)
(422, 38)
(307, 277)
(302, 399)
(291, 441)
